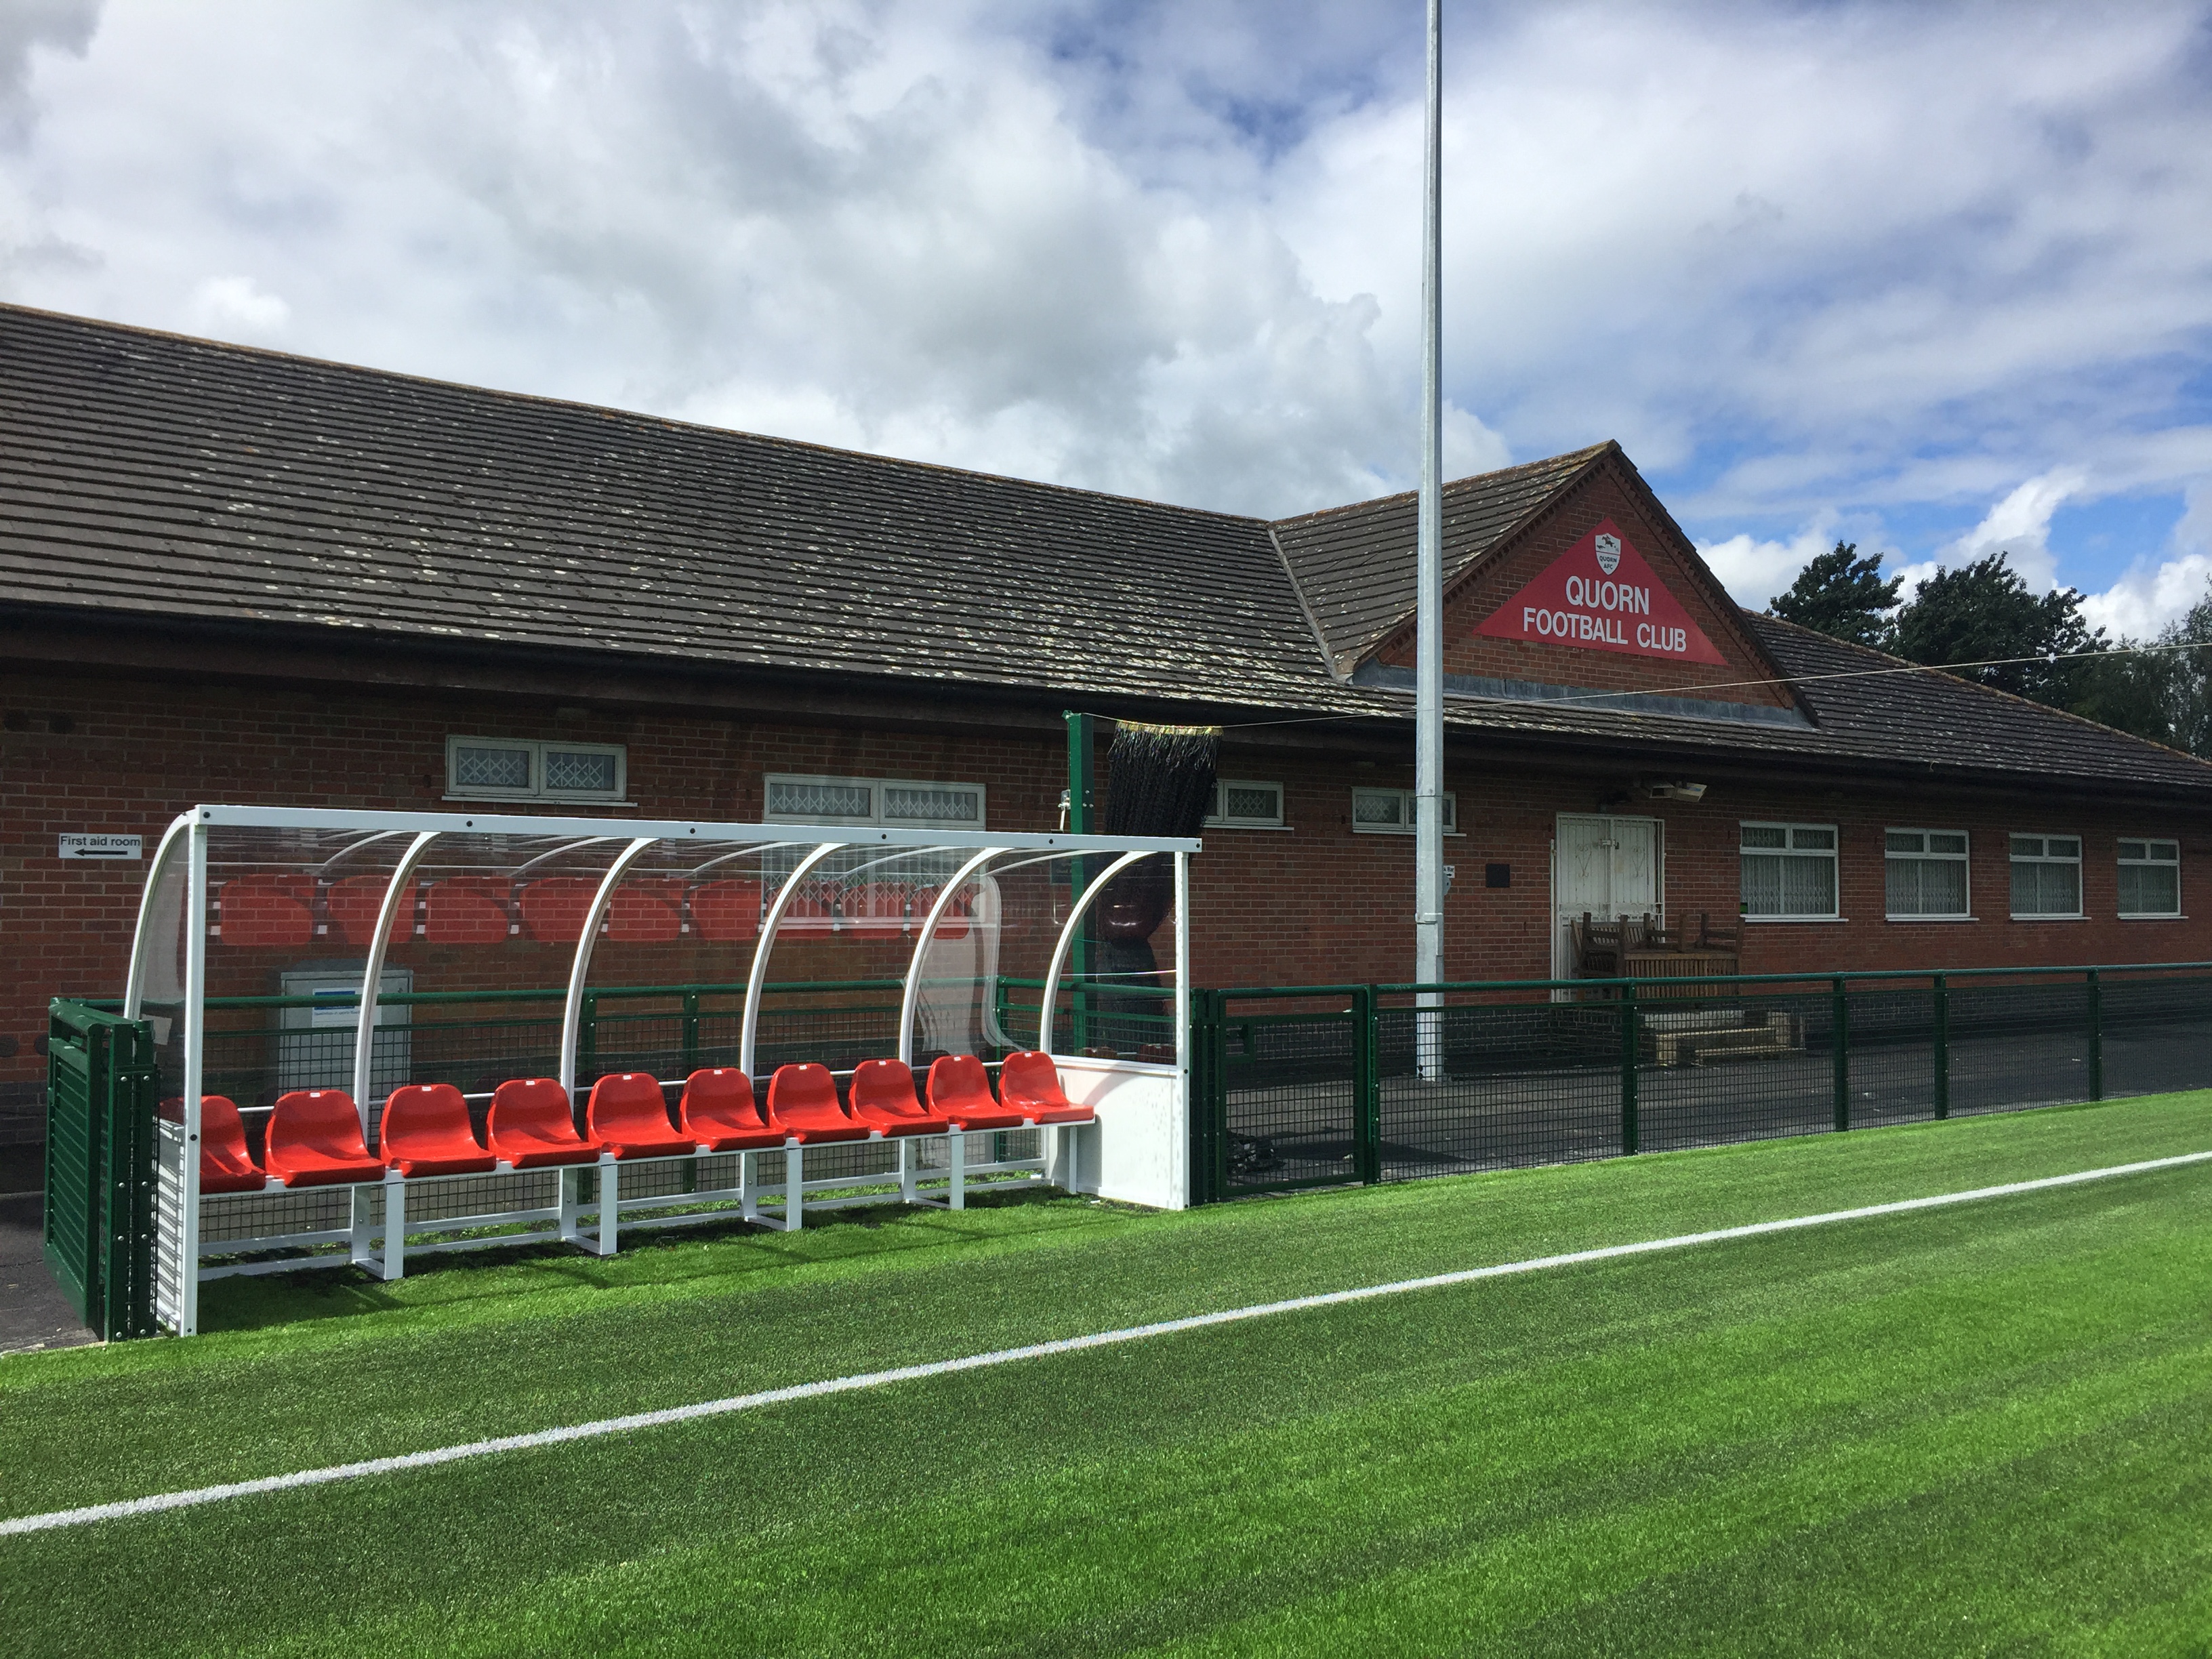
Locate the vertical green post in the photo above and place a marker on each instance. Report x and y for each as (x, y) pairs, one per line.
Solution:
(1942, 1047)
(1839, 1019)
(587, 1042)
(1367, 1085)
(1082, 813)
(1209, 1151)
(1631, 1045)
(2096, 1036)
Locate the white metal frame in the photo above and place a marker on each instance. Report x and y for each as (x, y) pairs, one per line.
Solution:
(1965, 860)
(2079, 861)
(188, 835)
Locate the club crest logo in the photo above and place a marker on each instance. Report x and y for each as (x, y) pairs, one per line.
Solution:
(1609, 554)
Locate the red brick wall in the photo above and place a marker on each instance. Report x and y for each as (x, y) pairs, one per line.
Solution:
(1603, 497)
(1317, 904)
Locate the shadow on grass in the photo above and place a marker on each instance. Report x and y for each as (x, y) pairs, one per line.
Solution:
(719, 1254)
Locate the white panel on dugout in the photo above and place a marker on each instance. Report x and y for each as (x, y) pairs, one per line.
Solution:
(1138, 1151)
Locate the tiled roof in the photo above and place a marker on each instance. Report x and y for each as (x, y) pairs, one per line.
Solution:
(1352, 563)
(143, 472)
(166, 478)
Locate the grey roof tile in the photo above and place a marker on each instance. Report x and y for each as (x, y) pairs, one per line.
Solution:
(149, 475)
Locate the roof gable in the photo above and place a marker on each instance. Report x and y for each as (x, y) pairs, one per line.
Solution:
(1354, 565)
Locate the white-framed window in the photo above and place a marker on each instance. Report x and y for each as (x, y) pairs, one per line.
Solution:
(2046, 877)
(1390, 812)
(1241, 804)
(892, 803)
(519, 769)
(1789, 871)
(1924, 874)
(2150, 877)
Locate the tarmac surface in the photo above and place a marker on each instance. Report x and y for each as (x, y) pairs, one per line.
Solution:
(34, 1312)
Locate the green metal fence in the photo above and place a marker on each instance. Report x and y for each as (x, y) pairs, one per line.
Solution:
(98, 1231)
(1301, 1086)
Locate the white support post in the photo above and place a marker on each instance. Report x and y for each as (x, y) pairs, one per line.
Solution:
(908, 1173)
(795, 1188)
(748, 1200)
(580, 965)
(610, 1203)
(1075, 914)
(195, 1013)
(957, 1143)
(395, 1225)
(1429, 624)
(401, 887)
(1179, 1148)
(572, 1202)
(910, 1004)
(758, 977)
(362, 1223)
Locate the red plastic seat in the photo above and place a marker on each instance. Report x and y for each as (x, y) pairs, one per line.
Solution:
(554, 908)
(352, 906)
(533, 1126)
(884, 1099)
(314, 1140)
(726, 912)
(802, 1101)
(226, 1162)
(628, 1114)
(268, 909)
(425, 1131)
(718, 1112)
(960, 1093)
(1030, 1084)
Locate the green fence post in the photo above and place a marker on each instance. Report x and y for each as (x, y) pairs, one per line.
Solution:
(690, 1032)
(134, 1091)
(1367, 1084)
(1208, 1100)
(2096, 1036)
(1942, 1047)
(1840, 1022)
(1631, 1045)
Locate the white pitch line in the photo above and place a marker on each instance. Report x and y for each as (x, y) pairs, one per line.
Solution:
(607, 1425)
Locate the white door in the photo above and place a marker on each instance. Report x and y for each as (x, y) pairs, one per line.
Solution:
(1606, 866)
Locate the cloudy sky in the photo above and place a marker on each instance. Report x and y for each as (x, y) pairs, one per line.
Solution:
(1936, 279)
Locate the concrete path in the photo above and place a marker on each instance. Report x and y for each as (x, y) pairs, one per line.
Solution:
(34, 1312)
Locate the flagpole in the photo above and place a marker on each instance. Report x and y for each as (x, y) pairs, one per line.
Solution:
(1429, 630)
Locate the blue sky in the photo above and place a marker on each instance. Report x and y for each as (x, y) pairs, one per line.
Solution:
(1935, 279)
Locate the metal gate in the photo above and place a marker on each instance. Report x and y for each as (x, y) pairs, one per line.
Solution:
(1283, 1087)
(101, 1086)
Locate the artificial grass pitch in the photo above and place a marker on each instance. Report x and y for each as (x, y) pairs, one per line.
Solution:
(1970, 1430)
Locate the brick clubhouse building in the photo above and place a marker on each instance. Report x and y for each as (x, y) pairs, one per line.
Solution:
(234, 576)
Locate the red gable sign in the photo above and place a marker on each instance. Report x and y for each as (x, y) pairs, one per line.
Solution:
(1601, 596)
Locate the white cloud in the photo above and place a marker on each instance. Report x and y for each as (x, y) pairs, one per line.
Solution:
(2020, 526)
(1815, 261)
(1754, 571)
(236, 308)
(2147, 597)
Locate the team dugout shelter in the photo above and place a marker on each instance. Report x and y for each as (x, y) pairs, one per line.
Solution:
(233, 576)
(478, 1116)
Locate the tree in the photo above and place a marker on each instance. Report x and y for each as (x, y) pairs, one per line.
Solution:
(1843, 596)
(1985, 613)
